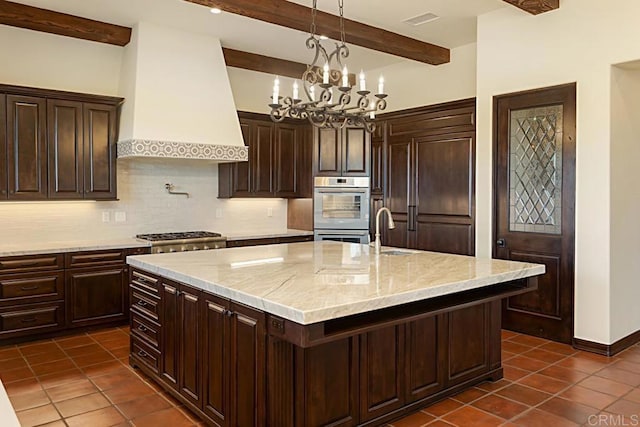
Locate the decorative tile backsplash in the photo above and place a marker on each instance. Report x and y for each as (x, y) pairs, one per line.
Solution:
(181, 150)
(146, 205)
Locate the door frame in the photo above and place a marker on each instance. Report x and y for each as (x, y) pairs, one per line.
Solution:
(569, 93)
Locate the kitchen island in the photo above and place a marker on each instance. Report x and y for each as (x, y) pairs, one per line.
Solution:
(318, 333)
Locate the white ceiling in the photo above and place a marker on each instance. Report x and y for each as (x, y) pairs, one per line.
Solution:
(456, 27)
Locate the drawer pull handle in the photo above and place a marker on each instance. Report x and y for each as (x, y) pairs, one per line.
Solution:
(142, 328)
(142, 303)
(29, 320)
(142, 353)
(29, 288)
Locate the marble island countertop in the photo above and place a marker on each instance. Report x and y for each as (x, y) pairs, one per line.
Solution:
(315, 281)
(48, 247)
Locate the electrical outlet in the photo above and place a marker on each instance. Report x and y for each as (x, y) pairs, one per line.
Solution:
(269, 212)
(121, 217)
(218, 212)
(105, 216)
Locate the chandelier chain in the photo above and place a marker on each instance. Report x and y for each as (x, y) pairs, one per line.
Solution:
(341, 6)
(314, 11)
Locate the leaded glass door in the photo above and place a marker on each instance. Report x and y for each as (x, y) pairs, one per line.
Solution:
(534, 204)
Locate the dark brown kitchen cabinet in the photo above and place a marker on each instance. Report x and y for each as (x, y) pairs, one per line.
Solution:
(341, 152)
(377, 160)
(210, 351)
(96, 296)
(190, 363)
(57, 145)
(277, 164)
(26, 147)
(430, 178)
(65, 146)
(100, 137)
(247, 354)
(31, 295)
(430, 192)
(96, 287)
(3, 147)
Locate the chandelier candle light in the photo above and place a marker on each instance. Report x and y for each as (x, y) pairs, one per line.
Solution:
(320, 108)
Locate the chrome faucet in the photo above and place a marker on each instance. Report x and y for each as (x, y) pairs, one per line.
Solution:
(392, 225)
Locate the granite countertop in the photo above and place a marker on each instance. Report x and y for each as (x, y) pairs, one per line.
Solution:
(48, 247)
(267, 234)
(315, 281)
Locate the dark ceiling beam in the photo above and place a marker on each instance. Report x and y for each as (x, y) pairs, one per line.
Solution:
(267, 64)
(48, 21)
(298, 17)
(535, 7)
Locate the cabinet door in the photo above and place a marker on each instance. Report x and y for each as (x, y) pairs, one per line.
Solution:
(189, 361)
(327, 152)
(377, 166)
(286, 160)
(382, 372)
(241, 174)
(100, 151)
(216, 358)
(3, 147)
(170, 333)
(425, 355)
(96, 296)
(26, 148)
(64, 129)
(444, 194)
(248, 366)
(355, 152)
(399, 173)
(263, 165)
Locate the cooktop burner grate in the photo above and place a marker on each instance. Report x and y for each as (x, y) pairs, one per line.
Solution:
(178, 236)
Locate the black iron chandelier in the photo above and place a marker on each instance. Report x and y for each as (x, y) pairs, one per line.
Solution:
(328, 89)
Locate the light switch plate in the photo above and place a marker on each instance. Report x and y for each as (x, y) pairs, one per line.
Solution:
(105, 216)
(121, 216)
(218, 212)
(269, 212)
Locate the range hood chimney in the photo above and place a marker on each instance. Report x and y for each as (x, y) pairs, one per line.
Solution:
(178, 100)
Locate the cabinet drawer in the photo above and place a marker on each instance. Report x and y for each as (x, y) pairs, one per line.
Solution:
(145, 282)
(144, 304)
(94, 258)
(43, 287)
(25, 320)
(145, 329)
(27, 264)
(145, 354)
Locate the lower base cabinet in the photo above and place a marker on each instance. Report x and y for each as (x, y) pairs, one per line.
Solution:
(97, 295)
(211, 352)
(234, 365)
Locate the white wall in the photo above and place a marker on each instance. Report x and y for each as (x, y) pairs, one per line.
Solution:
(55, 62)
(576, 43)
(31, 58)
(625, 200)
(147, 205)
(180, 90)
(408, 83)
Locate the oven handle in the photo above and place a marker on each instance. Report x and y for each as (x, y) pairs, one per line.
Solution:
(341, 190)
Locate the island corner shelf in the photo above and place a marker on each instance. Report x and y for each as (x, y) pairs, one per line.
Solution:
(233, 364)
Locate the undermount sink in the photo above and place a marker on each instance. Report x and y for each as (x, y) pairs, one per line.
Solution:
(396, 252)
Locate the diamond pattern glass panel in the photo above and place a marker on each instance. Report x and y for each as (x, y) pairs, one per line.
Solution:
(535, 170)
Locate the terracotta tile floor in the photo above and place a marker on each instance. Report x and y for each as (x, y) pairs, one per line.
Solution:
(85, 380)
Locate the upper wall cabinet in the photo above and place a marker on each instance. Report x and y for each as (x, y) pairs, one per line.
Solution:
(278, 165)
(26, 148)
(57, 145)
(341, 152)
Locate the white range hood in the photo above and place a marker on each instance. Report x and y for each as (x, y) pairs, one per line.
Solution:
(178, 100)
